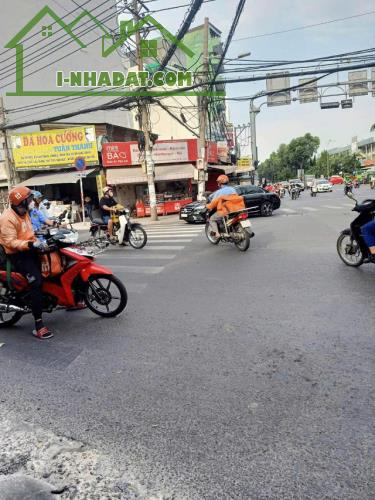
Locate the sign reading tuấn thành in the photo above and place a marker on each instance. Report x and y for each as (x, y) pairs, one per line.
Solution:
(54, 147)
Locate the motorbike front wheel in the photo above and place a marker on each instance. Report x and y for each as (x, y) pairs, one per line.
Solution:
(243, 241)
(137, 236)
(349, 251)
(211, 238)
(105, 295)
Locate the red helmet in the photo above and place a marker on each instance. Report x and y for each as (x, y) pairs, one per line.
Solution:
(222, 179)
(19, 194)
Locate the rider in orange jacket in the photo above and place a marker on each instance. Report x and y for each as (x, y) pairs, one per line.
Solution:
(19, 242)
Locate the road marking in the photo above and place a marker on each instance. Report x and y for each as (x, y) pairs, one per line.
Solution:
(168, 241)
(140, 256)
(185, 237)
(165, 247)
(139, 269)
(289, 210)
(351, 205)
(181, 231)
(310, 209)
(332, 207)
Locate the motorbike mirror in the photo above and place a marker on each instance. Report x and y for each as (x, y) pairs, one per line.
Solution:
(351, 196)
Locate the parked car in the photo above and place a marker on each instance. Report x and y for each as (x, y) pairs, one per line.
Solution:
(255, 197)
(298, 183)
(336, 179)
(323, 186)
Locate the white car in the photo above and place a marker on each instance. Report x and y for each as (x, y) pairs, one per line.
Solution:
(324, 186)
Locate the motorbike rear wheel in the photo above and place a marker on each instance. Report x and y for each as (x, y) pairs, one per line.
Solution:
(349, 251)
(137, 236)
(102, 291)
(243, 243)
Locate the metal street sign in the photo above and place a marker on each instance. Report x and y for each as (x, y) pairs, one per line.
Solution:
(309, 92)
(80, 164)
(347, 103)
(329, 105)
(276, 85)
(358, 84)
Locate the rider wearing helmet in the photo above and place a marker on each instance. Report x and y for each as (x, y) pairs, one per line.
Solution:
(38, 219)
(19, 242)
(106, 203)
(224, 190)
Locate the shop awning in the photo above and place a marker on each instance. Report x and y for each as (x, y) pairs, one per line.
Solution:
(132, 175)
(227, 169)
(44, 179)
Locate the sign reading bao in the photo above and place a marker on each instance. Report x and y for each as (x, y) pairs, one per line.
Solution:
(54, 147)
(120, 154)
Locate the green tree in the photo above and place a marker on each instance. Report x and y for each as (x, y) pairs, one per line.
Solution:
(327, 165)
(284, 163)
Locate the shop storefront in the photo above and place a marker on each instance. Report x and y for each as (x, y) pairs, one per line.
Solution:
(175, 164)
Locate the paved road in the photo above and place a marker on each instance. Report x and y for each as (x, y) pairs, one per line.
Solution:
(230, 376)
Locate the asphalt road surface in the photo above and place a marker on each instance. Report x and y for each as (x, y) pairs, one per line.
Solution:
(230, 375)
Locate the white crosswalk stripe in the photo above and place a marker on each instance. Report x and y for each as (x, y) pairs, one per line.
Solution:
(163, 244)
(288, 210)
(310, 209)
(332, 207)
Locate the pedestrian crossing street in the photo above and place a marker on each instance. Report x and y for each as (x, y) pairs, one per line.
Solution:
(164, 243)
(298, 210)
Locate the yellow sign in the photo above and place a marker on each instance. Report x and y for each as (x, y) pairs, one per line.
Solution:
(54, 147)
(243, 164)
(100, 184)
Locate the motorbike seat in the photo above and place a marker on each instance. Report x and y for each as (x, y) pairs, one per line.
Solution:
(98, 222)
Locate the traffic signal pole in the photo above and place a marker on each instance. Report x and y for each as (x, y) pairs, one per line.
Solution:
(254, 149)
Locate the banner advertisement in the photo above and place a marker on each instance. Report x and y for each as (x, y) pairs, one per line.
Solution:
(116, 154)
(244, 164)
(50, 148)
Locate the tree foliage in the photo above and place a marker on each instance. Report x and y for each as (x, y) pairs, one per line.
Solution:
(284, 163)
(342, 163)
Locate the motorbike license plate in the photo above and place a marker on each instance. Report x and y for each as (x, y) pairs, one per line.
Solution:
(184, 215)
(245, 223)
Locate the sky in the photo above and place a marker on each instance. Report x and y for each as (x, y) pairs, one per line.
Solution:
(335, 127)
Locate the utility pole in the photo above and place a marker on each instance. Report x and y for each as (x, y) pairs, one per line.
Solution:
(144, 113)
(254, 150)
(4, 147)
(203, 104)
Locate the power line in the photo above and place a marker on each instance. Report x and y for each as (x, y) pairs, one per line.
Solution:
(305, 26)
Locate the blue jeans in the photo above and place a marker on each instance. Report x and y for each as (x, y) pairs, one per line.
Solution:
(105, 219)
(368, 233)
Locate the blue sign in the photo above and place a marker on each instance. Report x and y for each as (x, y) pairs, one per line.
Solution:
(80, 164)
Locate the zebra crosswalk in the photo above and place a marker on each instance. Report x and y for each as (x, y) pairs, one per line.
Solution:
(299, 210)
(164, 244)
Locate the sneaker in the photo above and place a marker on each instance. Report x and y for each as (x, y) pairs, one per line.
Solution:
(42, 333)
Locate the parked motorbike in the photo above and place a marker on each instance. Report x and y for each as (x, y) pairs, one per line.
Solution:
(351, 246)
(233, 228)
(70, 276)
(124, 231)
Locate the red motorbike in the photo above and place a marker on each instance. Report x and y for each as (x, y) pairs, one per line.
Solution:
(70, 278)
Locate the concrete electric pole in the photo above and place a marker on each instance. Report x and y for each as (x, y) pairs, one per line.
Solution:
(203, 104)
(253, 131)
(144, 114)
(4, 148)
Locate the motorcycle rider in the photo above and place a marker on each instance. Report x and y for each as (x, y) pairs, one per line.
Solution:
(224, 189)
(20, 244)
(106, 203)
(38, 219)
(368, 233)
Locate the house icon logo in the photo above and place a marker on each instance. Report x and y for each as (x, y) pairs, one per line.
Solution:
(103, 83)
